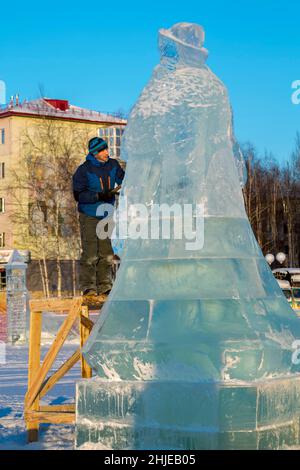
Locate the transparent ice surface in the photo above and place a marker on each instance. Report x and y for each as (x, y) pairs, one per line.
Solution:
(17, 308)
(178, 320)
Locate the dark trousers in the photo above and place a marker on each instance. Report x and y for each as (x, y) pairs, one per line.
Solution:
(96, 257)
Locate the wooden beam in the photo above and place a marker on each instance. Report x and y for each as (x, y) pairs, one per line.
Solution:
(53, 351)
(54, 304)
(34, 362)
(86, 370)
(87, 322)
(67, 408)
(51, 417)
(51, 381)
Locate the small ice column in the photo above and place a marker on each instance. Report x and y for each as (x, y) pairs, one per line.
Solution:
(16, 298)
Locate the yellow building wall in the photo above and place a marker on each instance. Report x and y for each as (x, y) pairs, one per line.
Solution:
(5, 157)
(10, 153)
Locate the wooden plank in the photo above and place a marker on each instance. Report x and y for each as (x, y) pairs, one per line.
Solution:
(54, 304)
(51, 417)
(87, 322)
(94, 303)
(53, 351)
(51, 381)
(33, 367)
(67, 408)
(34, 360)
(86, 370)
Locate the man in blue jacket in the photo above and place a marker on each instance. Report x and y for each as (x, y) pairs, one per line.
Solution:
(94, 184)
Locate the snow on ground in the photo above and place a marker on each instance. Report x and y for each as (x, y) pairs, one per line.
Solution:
(13, 385)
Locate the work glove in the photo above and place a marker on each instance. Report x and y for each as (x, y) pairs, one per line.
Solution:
(106, 196)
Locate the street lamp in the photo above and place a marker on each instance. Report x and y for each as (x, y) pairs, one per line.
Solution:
(270, 258)
(280, 257)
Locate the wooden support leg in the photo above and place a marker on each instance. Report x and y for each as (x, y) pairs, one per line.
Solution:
(86, 370)
(32, 431)
(33, 368)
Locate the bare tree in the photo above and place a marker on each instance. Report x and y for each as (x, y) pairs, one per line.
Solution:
(45, 212)
(272, 195)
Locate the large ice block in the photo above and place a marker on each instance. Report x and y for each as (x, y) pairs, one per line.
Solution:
(193, 349)
(188, 415)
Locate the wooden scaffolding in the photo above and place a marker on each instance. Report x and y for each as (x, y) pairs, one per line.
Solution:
(38, 381)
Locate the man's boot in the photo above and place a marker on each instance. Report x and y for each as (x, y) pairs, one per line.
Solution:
(103, 297)
(90, 297)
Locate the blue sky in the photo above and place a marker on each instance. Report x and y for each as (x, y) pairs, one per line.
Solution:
(101, 54)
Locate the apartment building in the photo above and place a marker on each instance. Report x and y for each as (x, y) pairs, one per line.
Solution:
(16, 118)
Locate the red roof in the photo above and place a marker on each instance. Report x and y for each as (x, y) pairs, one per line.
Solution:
(59, 109)
(63, 105)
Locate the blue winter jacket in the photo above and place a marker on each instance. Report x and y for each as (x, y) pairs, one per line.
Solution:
(94, 177)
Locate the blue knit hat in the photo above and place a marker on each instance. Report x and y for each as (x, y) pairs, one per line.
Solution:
(96, 144)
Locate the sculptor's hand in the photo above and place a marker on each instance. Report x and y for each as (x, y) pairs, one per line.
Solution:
(106, 196)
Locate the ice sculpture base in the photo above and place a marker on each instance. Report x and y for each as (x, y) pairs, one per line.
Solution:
(122, 415)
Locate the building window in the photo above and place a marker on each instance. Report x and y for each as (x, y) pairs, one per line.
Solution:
(2, 204)
(113, 137)
(2, 279)
(2, 240)
(2, 136)
(2, 170)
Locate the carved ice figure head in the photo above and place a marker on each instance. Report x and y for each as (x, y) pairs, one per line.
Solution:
(182, 45)
(180, 136)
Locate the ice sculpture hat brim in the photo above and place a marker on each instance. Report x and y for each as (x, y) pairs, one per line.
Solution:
(185, 36)
(184, 39)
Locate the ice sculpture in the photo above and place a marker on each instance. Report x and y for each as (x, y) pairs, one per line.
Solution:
(17, 299)
(194, 349)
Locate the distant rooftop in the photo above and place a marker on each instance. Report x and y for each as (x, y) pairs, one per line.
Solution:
(58, 109)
